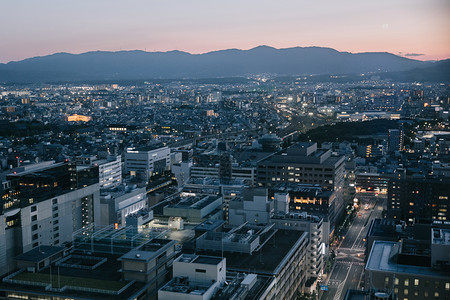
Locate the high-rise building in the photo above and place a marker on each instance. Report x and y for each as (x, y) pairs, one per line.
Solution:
(304, 163)
(411, 197)
(109, 169)
(395, 142)
(45, 206)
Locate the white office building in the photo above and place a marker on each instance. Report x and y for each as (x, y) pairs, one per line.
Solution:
(146, 162)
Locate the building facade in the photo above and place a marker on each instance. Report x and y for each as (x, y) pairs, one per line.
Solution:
(146, 162)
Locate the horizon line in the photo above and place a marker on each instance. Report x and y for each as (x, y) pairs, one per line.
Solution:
(411, 56)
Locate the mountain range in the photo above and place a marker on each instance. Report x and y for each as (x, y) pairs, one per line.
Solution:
(141, 65)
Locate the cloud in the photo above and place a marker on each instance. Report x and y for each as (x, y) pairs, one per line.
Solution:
(414, 54)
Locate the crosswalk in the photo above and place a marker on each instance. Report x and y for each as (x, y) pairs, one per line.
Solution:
(350, 263)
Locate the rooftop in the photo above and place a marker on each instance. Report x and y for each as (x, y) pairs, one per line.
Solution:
(382, 227)
(183, 285)
(194, 202)
(440, 236)
(147, 148)
(39, 253)
(148, 251)
(381, 259)
(366, 295)
(268, 259)
(305, 189)
(69, 281)
(209, 225)
(200, 259)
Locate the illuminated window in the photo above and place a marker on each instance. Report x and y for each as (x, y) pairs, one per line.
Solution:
(416, 282)
(406, 283)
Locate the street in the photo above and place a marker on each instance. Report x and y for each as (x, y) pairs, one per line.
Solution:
(348, 268)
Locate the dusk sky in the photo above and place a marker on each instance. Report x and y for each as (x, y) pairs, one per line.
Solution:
(405, 27)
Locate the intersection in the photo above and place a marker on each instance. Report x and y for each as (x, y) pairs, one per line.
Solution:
(348, 268)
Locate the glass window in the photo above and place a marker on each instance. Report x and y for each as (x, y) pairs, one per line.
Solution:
(406, 283)
(416, 282)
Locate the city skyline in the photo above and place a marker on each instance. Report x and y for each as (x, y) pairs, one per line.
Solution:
(414, 29)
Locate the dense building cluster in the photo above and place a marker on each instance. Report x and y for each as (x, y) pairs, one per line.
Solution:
(246, 189)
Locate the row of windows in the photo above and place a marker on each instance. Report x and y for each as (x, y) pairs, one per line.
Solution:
(417, 282)
(298, 168)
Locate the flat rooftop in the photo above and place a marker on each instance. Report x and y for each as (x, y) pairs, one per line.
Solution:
(305, 189)
(366, 295)
(215, 182)
(440, 236)
(194, 202)
(39, 253)
(104, 277)
(185, 286)
(382, 227)
(148, 148)
(207, 260)
(148, 251)
(266, 260)
(380, 259)
(209, 225)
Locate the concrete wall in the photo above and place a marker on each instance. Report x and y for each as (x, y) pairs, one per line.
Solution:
(212, 272)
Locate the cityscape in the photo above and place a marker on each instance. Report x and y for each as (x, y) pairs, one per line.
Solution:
(300, 172)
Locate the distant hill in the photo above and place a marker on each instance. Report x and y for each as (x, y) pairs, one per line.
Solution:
(129, 65)
(438, 72)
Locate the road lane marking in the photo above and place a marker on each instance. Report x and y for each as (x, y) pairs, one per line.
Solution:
(337, 296)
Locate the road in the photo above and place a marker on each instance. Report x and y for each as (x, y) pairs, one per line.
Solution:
(348, 268)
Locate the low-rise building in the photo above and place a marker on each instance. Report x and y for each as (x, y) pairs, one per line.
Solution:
(195, 208)
(262, 250)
